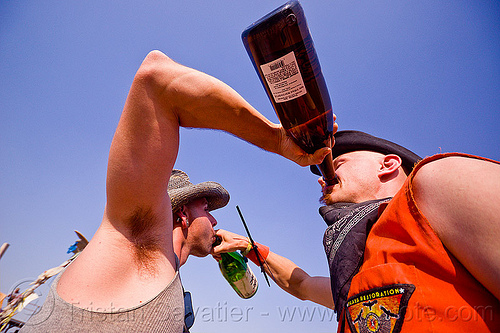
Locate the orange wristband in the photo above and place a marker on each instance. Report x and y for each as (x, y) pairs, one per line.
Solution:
(263, 253)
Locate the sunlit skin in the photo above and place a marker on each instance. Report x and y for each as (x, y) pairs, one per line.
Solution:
(461, 208)
(442, 190)
(363, 176)
(163, 97)
(194, 231)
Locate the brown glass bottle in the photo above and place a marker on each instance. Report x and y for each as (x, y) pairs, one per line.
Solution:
(283, 54)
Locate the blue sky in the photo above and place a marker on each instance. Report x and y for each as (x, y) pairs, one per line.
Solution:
(425, 74)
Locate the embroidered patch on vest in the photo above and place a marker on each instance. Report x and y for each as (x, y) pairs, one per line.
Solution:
(379, 310)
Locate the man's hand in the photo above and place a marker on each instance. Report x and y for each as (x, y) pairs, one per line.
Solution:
(290, 150)
(230, 242)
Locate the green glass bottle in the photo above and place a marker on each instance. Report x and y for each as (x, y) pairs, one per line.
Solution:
(239, 275)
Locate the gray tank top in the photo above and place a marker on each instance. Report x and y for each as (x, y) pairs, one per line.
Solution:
(162, 313)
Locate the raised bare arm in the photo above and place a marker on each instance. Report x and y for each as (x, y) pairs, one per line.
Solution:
(165, 95)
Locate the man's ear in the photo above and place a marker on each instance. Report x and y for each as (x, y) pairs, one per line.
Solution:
(181, 217)
(390, 165)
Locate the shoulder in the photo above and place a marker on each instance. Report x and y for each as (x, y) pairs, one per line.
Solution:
(448, 186)
(459, 197)
(432, 176)
(453, 176)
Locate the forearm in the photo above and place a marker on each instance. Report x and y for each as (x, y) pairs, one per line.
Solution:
(198, 100)
(194, 99)
(165, 95)
(295, 281)
(287, 275)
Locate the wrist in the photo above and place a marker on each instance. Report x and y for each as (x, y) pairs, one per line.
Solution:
(259, 250)
(246, 250)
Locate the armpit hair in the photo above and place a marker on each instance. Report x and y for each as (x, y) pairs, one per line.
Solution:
(144, 237)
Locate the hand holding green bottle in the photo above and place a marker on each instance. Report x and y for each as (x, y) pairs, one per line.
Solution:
(238, 274)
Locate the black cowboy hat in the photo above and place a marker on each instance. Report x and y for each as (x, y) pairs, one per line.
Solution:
(348, 141)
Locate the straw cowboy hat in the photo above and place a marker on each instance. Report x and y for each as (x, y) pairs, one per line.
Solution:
(181, 191)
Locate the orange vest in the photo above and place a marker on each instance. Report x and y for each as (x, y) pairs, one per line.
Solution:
(409, 282)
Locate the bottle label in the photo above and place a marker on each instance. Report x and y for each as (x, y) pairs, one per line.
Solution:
(283, 78)
(247, 286)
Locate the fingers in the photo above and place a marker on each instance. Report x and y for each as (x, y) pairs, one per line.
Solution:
(290, 150)
(230, 242)
(316, 158)
(320, 154)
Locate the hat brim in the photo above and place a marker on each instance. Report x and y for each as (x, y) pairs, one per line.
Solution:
(216, 195)
(349, 141)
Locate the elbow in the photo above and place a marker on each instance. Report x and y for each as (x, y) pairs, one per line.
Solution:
(299, 294)
(155, 59)
(154, 67)
(294, 290)
(302, 297)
